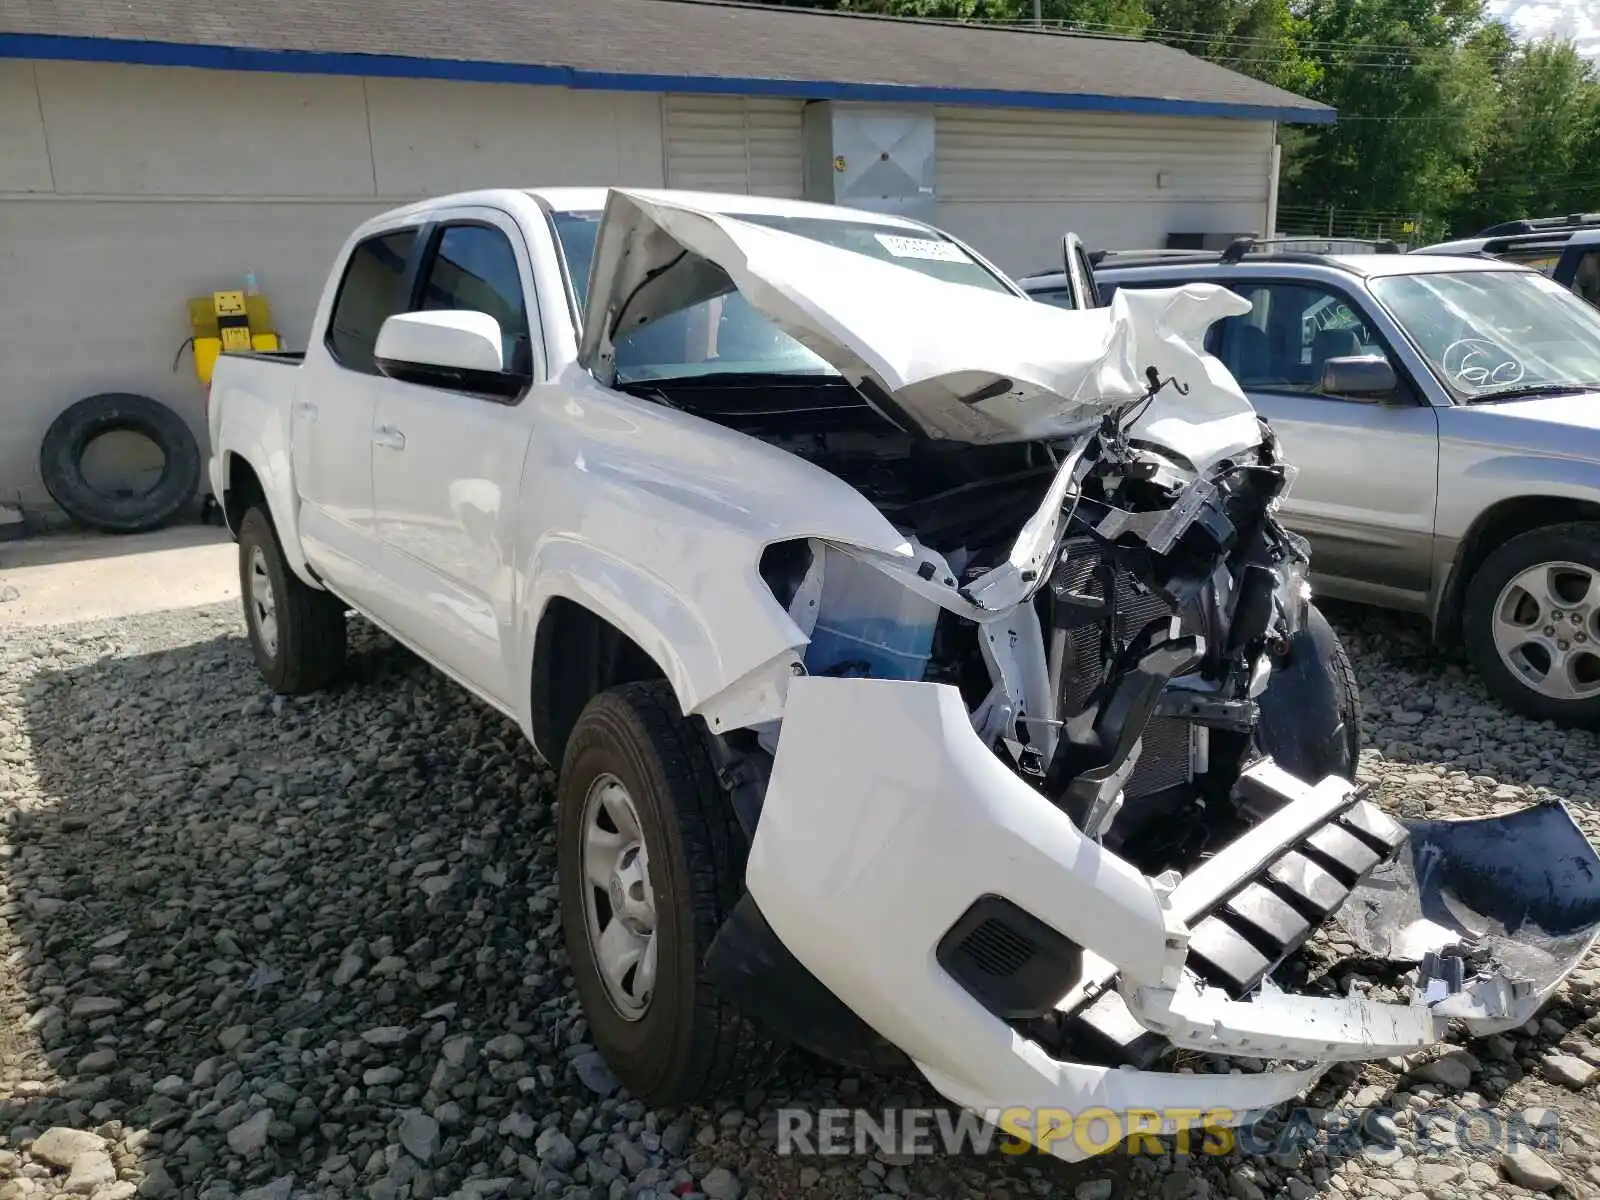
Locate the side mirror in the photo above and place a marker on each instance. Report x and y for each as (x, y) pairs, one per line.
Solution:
(457, 350)
(1364, 377)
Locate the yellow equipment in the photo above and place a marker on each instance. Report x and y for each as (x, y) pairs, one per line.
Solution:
(228, 322)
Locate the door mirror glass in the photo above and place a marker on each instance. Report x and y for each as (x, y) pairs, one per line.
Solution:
(1368, 377)
(454, 349)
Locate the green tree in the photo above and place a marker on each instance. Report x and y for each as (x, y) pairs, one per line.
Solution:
(1538, 158)
(1416, 104)
(1260, 38)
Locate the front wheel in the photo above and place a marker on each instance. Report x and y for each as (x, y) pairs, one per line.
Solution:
(1531, 621)
(650, 860)
(297, 633)
(1311, 710)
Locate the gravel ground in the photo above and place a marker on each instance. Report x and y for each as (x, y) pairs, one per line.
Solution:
(259, 948)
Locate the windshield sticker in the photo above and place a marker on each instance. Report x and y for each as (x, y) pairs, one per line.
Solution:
(923, 248)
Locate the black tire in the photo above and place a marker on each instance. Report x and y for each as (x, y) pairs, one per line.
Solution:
(1579, 543)
(307, 650)
(1311, 710)
(689, 1044)
(69, 435)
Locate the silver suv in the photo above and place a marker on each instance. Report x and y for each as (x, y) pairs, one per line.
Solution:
(1444, 414)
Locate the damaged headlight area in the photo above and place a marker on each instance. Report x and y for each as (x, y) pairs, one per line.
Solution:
(1113, 653)
(1069, 785)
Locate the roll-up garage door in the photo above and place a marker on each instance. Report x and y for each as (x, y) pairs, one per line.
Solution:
(736, 144)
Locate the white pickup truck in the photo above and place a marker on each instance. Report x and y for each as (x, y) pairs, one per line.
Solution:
(930, 679)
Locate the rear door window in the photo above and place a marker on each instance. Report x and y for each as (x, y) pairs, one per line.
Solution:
(373, 290)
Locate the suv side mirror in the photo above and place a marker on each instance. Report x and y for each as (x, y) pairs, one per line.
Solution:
(453, 349)
(1364, 377)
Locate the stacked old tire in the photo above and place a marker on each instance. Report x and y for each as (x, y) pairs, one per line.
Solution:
(69, 436)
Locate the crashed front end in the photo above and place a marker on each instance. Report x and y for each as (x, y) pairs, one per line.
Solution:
(1064, 785)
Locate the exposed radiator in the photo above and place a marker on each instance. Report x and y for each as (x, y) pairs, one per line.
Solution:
(1167, 757)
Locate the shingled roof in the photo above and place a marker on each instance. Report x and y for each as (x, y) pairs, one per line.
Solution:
(653, 45)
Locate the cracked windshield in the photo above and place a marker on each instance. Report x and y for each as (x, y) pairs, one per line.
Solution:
(1498, 335)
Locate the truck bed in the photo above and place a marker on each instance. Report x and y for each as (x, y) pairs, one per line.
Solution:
(288, 357)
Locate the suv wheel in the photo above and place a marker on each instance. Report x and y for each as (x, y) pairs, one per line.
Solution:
(1531, 621)
(650, 861)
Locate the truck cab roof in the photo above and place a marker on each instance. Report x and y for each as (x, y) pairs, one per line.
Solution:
(593, 199)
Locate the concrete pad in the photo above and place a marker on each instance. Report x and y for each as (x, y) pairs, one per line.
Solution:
(58, 579)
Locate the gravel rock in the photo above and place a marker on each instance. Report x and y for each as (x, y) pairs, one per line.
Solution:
(157, 1184)
(594, 1074)
(1568, 1070)
(419, 1135)
(219, 965)
(90, 1170)
(1526, 1169)
(1452, 1069)
(721, 1184)
(553, 1147)
(249, 1138)
(60, 1147)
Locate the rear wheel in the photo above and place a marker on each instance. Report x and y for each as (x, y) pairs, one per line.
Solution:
(1531, 621)
(650, 862)
(297, 632)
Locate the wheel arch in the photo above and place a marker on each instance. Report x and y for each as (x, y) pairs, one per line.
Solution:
(242, 490)
(592, 621)
(577, 654)
(249, 480)
(1492, 528)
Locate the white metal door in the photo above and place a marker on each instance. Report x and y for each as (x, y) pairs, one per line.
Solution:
(447, 465)
(740, 144)
(331, 422)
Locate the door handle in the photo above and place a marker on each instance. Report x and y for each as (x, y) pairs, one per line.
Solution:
(389, 438)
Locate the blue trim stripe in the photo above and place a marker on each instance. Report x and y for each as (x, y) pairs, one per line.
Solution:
(394, 66)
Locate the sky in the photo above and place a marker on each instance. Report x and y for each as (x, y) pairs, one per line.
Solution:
(1577, 19)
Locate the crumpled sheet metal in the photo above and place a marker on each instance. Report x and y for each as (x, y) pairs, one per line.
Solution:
(965, 363)
(1516, 896)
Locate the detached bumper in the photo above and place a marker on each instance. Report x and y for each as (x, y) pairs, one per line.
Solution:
(922, 883)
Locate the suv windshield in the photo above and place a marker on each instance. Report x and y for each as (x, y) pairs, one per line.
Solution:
(1497, 335)
(726, 335)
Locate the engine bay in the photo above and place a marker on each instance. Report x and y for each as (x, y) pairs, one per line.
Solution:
(1116, 669)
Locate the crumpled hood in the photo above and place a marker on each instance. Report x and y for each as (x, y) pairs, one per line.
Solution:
(1210, 418)
(959, 362)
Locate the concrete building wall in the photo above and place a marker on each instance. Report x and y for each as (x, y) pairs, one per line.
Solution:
(1012, 182)
(126, 190)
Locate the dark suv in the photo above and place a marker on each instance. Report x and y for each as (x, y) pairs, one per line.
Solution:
(1566, 249)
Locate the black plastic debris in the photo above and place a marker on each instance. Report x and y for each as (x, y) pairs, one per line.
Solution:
(1516, 895)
